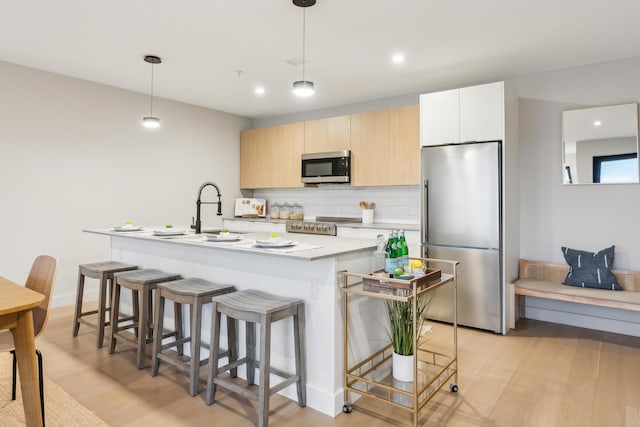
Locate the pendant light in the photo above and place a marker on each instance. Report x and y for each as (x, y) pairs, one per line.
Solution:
(151, 122)
(303, 88)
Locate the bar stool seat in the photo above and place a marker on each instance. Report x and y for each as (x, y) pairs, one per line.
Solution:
(138, 281)
(103, 271)
(195, 292)
(253, 307)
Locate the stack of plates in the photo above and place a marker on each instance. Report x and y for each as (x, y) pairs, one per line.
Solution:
(127, 227)
(168, 232)
(227, 237)
(274, 243)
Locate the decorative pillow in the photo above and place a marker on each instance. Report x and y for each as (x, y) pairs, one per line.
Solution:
(589, 270)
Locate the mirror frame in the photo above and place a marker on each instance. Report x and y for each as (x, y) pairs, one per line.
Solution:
(573, 117)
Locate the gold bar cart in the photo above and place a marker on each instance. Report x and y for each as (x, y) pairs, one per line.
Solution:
(372, 376)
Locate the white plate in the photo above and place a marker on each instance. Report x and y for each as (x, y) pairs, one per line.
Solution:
(274, 243)
(168, 232)
(223, 238)
(127, 228)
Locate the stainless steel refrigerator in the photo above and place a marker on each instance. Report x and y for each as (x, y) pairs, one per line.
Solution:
(461, 220)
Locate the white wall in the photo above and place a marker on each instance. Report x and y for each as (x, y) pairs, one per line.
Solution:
(74, 156)
(589, 217)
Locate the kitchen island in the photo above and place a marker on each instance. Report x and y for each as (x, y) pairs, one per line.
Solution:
(308, 270)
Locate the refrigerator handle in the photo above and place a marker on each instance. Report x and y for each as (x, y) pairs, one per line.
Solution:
(425, 217)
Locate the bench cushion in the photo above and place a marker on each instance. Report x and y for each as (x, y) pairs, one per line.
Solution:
(557, 288)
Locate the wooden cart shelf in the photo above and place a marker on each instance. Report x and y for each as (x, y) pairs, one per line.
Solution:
(372, 377)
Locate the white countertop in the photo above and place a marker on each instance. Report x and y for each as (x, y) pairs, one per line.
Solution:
(309, 247)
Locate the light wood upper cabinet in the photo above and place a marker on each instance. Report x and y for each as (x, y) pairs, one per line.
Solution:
(332, 134)
(385, 148)
(339, 133)
(404, 145)
(370, 148)
(249, 158)
(315, 136)
(270, 157)
(289, 148)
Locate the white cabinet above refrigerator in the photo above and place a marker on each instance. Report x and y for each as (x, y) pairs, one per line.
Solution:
(474, 113)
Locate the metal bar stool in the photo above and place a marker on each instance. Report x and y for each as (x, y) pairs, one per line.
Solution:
(103, 271)
(195, 292)
(253, 307)
(138, 281)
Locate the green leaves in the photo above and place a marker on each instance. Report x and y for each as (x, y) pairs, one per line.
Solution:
(400, 314)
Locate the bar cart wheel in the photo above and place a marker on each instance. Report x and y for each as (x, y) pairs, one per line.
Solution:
(454, 387)
(347, 408)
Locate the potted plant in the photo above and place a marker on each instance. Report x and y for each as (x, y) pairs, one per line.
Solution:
(400, 315)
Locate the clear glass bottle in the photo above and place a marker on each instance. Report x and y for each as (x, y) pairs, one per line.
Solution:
(285, 211)
(404, 253)
(274, 211)
(297, 212)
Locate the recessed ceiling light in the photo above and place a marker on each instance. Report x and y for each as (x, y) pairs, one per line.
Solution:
(259, 90)
(597, 123)
(398, 58)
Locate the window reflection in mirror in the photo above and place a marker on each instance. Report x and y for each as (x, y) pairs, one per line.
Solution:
(600, 145)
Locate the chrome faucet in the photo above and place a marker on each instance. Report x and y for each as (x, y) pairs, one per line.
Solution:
(199, 202)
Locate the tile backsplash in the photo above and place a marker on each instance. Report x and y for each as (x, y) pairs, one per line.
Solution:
(397, 205)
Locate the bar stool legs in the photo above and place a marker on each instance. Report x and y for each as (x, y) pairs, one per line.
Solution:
(104, 272)
(258, 307)
(139, 282)
(193, 292)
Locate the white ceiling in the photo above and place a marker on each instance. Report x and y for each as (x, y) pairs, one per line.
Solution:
(349, 45)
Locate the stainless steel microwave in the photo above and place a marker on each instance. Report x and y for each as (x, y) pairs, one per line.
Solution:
(331, 167)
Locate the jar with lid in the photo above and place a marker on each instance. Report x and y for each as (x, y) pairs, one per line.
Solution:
(274, 211)
(285, 211)
(297, 212)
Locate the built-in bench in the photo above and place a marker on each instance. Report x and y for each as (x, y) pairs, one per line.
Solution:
(544, 280)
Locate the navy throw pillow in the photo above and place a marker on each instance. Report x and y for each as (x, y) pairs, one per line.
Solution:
(589, 270)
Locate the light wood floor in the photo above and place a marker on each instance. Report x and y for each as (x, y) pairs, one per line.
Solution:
(541, 374)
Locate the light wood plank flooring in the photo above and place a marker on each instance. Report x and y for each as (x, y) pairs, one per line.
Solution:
(541, 374)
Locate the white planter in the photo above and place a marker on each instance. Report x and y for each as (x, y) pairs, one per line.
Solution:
(402, 367)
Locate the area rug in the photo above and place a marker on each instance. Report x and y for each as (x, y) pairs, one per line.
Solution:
(61, 410)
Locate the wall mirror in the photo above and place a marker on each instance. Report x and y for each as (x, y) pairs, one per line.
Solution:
(600, 145)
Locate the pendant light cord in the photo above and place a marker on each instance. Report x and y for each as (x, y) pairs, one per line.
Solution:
(152, 66)
(304, 38)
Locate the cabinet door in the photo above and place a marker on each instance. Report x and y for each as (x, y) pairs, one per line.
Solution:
(315, 136)
(404, 145)
(288, 148)
(370, 148)
(482, 112)
(338, 133)
(249, 158)
(440, 118)
(268, 165)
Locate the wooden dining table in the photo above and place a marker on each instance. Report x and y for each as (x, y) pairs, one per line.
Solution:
(16, 303)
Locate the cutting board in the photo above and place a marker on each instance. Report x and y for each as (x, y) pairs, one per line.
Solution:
(250, 208)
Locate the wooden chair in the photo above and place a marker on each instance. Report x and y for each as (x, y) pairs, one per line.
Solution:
(41, 279)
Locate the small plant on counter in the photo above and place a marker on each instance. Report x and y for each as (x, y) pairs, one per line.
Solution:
(400, 315)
